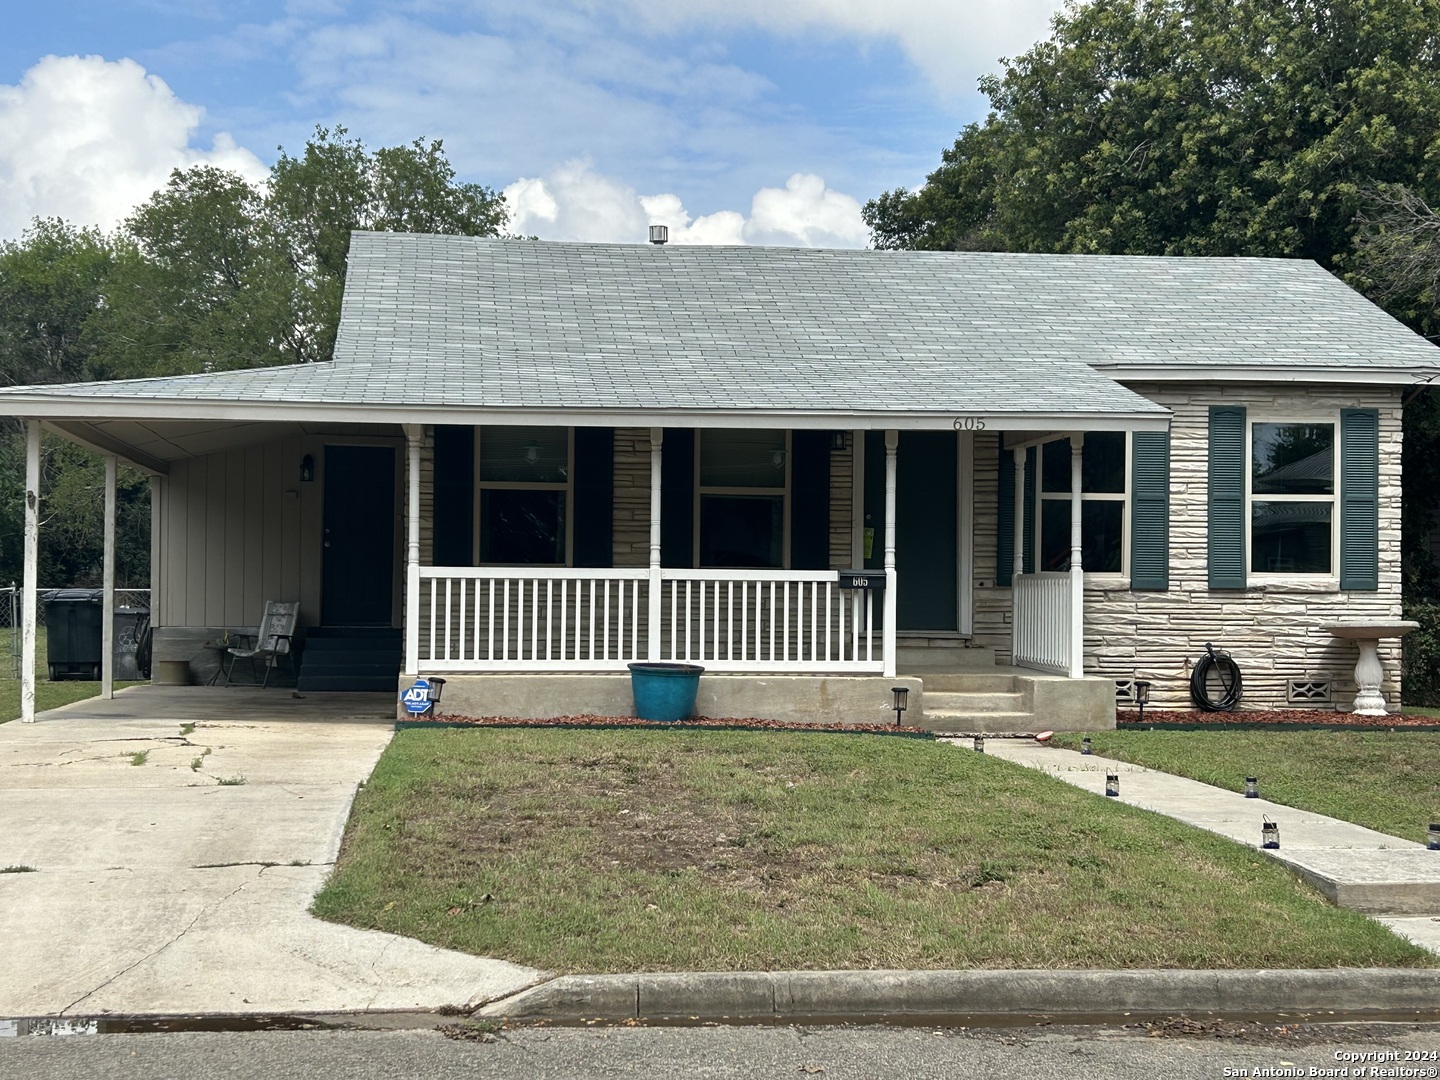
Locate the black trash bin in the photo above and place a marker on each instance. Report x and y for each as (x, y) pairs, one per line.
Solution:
(73, 638)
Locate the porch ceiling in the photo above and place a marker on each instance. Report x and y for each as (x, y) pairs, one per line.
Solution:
(154, 444)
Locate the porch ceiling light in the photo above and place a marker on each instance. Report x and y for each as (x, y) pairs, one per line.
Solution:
(902, 698)
(307, 469)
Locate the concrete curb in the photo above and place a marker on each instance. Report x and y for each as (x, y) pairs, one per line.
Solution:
(869, 995)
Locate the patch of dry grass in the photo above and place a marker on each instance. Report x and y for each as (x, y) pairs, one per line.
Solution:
(578, 850)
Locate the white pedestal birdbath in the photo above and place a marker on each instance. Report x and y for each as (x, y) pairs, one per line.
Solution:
(1369, 672)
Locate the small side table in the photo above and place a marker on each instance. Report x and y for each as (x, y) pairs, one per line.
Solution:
(1369, 671)
(221, 649)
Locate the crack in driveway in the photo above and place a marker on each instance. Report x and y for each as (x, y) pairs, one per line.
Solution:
(209, 909)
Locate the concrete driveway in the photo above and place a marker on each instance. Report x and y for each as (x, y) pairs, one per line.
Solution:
(173, 870)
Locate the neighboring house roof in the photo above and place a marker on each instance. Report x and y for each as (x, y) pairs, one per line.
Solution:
(447, 329)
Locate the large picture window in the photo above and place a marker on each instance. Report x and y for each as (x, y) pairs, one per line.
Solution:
(1104, 487)
(742, 498)
(1292, 498)
(524, 476)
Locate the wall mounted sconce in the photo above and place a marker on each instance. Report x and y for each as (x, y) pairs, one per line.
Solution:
(777, 458)
(532, 454)
(307, 469)
(837, 440)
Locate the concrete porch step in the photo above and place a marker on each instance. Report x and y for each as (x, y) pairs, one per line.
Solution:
(984, 702)
(916, 655)
(976, 682)
(958, 721)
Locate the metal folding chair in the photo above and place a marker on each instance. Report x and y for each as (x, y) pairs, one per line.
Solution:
(277, 628)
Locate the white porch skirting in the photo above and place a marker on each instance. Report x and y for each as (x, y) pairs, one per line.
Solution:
(479, 619)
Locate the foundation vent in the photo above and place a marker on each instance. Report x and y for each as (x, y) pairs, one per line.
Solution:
(1124, 691)
(1308, 692)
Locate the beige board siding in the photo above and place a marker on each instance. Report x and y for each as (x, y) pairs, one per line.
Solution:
(1275, 632)
(237, 528)
(842, 505)
(630, 531)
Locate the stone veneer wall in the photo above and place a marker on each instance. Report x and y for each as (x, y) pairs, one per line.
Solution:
(1273, 630)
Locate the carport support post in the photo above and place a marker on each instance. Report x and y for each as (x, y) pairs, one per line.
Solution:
(413, 434)
(1077, 570)
(32, 572)
(652, 621)
(107, 603)
(892, 443)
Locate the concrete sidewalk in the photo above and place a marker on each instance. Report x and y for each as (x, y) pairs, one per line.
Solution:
(1395, 881)
(173, 871)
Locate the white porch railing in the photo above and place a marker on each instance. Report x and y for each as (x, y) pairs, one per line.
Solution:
(1041, 623)
(479, 619)
(505, 618)
(768, 620)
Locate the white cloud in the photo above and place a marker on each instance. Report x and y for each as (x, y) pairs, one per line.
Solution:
(575, 202)
(88, 139)
(950, 40)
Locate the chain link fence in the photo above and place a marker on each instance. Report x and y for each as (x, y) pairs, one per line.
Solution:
(10, 596)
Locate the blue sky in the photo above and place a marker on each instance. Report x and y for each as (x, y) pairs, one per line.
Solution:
(732, 120)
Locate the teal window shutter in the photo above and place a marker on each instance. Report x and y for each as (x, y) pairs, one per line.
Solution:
(1360, 499)
(1150, 510)
(1032, 469)
(1005, 521)
(1228, 456)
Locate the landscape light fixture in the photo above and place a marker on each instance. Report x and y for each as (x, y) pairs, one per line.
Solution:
(1270, 834)
(437, 687)
(1252, 787)
(307, 469)
(1112, 785)
(1142, 696)
(979, 744)
(1432, 836)
(902, 697)
(1085, 746)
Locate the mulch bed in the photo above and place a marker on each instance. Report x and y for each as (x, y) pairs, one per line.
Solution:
(751, 723)
(1167, 719)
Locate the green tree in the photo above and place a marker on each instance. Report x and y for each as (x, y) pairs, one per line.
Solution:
(1189, 127)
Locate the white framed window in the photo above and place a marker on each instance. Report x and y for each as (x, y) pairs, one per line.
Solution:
(523, 496)
(1292, 514)
(1104, 506)
(742, 498)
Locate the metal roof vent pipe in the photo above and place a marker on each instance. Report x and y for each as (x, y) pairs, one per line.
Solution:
(659, 234)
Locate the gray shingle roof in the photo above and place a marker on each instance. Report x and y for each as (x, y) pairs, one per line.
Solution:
(508, 324)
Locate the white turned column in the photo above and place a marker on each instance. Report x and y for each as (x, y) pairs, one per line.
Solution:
(32, 571)
(414, 433)
(1077, 570)
(107, 605)
(1017, 562)
(652, 626)
(892, 443)
(1019, 559)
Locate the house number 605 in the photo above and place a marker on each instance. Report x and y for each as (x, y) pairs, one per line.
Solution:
(969, 423)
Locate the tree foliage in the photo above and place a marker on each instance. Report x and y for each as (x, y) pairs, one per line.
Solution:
(1189, 127)
(211, 273)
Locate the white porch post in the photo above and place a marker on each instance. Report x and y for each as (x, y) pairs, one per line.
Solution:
(1077, 571)
(892, 442)
(652, 626)
(32, 572)
(1017, 562)
(413, 434)
(107, 604)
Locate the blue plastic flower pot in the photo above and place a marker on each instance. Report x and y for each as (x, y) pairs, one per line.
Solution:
(665, 692)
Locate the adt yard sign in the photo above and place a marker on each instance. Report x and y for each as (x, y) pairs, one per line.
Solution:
(417, 699)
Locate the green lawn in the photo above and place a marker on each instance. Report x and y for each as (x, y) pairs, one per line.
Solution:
(1389, 781)
(587, 850)
(48, 695)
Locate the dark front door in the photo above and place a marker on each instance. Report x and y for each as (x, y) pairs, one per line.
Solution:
(358, 575)
(926, 555)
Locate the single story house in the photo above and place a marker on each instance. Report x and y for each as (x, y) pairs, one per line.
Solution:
(1014, 484)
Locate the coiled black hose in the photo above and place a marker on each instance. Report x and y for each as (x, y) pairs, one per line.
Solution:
(1228, 673)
